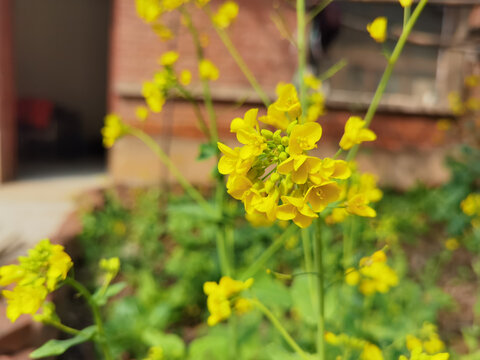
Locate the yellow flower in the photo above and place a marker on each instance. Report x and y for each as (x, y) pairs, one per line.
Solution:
(319, 196)
(185, 77)
(406, 3)
(304, 137)
(231, 162)
(338, 215)
(238, 185)
(243, 306)
(169, 58)
(471, 205)
(227, 12)
(299, 166)
(163, 32)
(378, 29)
(352, 276)
(112, 130)
(10, 274)
(148, 10)
(153, 96)
(452, 244)
(377, 277)
(358, 205)
(201, 3)
(312, 82)
(285, 109)
(355, 133)
(371, 352)
(296, 209)
(207, 70)
(170, 5)
(141, 113)
(110, 265)
(248, 122)
(220, 295)
(24, 300)
(413, 342)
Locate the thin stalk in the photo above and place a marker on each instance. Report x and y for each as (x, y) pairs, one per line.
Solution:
(302, 52)
(372, 109)
(268, 253)
(153, 145)
(276, 323)
(202, 124)
(82, 290)
(318, 9)
(205, 83)
(318, 259)
(307, 253)
(333, 69)
(237, 57)
(406, 15)
(62, 327)
(222, 252)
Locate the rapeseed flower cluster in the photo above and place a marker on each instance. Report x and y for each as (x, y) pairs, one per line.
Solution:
(224, 296)
(374, 275)
(272, 173)
(112, 130)
(427, 346)
(368, 351)
(35, 276)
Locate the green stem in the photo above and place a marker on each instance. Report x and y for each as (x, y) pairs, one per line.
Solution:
(205, 83)
(307, 253)
(318, 9)
(348, 242)
(237, 57)
(372, 109)
(406, 15)
(102, 341)
(268, 253)
(62, 327)
(333, 69)
(318, 258)
(222, 252)
(276, 323)
(302, 52)
(202, 124)
(153, 145)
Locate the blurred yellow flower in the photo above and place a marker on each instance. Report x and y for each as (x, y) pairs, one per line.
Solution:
(207, 70)
(154, 353)
(112, 130)
(185, 77)
(378, 29)
(225, 15)
(406, 3)
(141, 113)
(452, 244)
(355, 133)
(169, 58)
(219, 298)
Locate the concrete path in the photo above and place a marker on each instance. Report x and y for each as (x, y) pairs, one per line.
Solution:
(34, 208)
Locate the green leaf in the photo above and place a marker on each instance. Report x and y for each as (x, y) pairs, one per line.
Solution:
(207, 151)
(100, 297)
(58, 347)
(213, 346)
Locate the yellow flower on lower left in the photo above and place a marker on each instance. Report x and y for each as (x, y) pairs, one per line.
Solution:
(24, 300)
(34, 277)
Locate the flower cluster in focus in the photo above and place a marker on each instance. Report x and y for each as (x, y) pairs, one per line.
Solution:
(35, 276)
(273, 174)
(224, 296)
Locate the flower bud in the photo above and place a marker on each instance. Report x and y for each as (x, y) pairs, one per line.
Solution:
(283, 156)
(267, 134)
(285, 140)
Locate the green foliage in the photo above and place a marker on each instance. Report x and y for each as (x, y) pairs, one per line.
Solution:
(58, 347)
